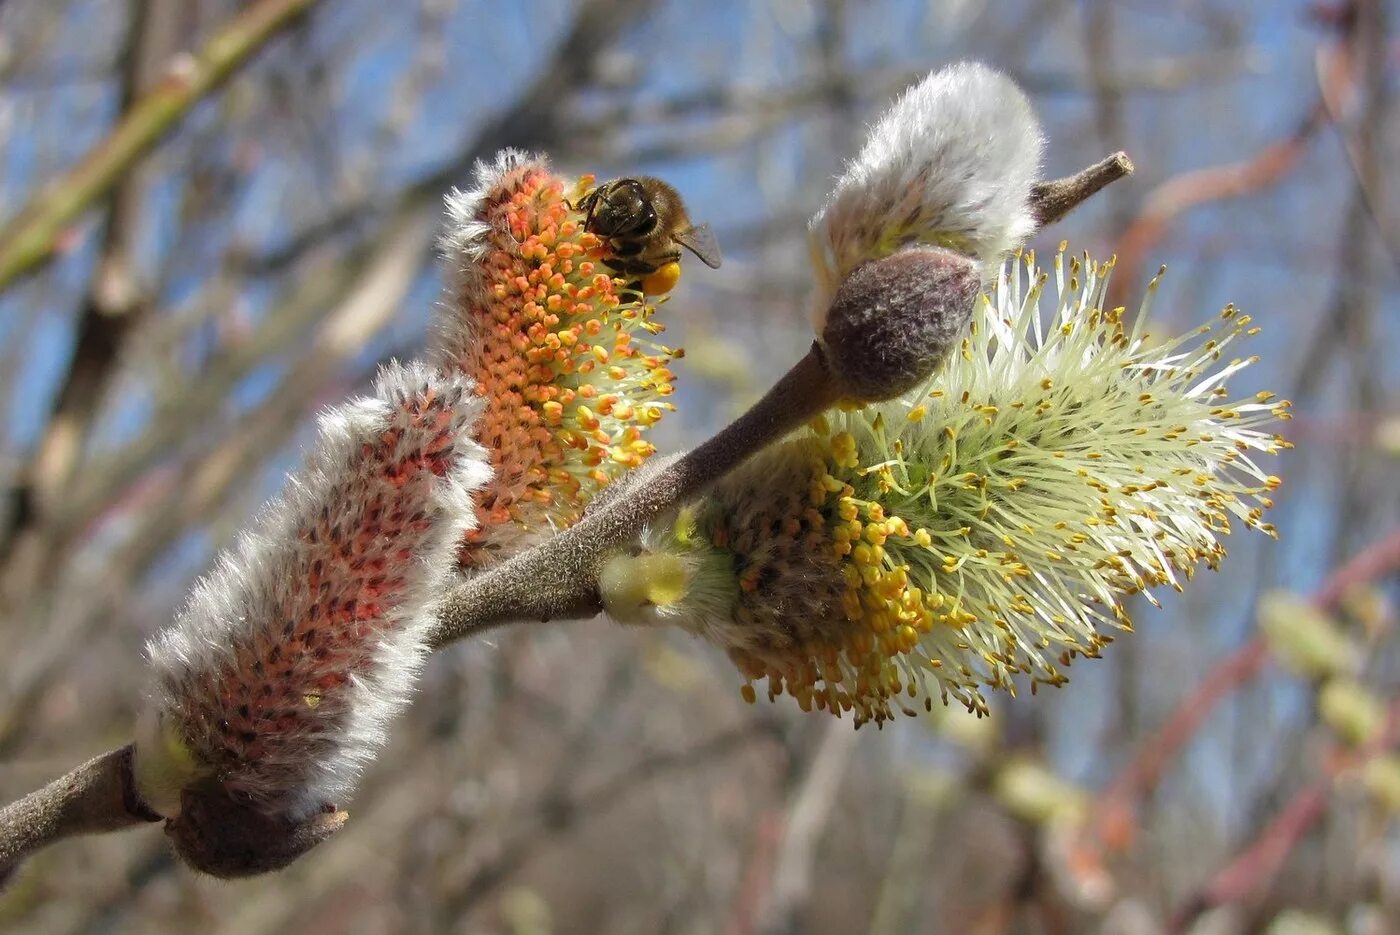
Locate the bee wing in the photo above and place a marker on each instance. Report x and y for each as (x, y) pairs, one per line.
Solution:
(701, 241)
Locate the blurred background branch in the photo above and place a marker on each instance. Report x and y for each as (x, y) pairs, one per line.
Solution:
(32, 235)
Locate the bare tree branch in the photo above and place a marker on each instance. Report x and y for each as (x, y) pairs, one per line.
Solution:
(31, 237)
(1142, 773)
(1256, 864)
(1197, 187)
(114, 302)
(808, 812)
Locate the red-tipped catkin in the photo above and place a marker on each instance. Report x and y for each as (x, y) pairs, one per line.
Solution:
(277, 679)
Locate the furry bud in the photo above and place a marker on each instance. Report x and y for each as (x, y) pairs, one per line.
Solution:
(894, 320)
(951, 163)
(227, 837)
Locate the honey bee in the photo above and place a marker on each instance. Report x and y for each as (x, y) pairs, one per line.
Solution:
(645, 224)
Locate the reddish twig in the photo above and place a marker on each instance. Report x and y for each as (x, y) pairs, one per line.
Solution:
(1181, 193)
(1258, 862)
(1367, 565)
(1112, 827)
(758, 872)
(1344, 74)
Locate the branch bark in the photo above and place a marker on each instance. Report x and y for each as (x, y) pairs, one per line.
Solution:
(96, 797)
(558, 578)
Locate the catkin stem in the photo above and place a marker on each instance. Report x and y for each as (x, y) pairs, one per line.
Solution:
(1051, 201)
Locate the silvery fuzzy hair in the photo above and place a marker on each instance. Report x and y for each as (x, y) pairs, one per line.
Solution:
(277, 679)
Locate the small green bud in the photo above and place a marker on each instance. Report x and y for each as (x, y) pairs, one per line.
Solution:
(1352, 710)
(1381, 776)
(1034, 793)
(1305, 639)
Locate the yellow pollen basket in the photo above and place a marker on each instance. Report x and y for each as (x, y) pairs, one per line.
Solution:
(663, 280)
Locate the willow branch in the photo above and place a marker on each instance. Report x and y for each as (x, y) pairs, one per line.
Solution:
(557, 579)
(1191, 189)
(96, 797)
(29, 240)
(117, 301)
(1259, 861)
(554, 580)
(806, 818)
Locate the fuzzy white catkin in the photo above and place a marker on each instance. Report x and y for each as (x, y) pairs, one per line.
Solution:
(279, 676)
(951, 163)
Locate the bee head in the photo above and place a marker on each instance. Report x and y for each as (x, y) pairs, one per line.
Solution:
(619, 208)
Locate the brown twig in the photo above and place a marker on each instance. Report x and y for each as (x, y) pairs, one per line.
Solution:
(32, 236)
(326, 283)
(1050, 201)
(96, 797)
(561, 810)
(537, 119)
(1357, 67)
(757, 875)
(809, 811)
(114, 305)
(557, 579)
